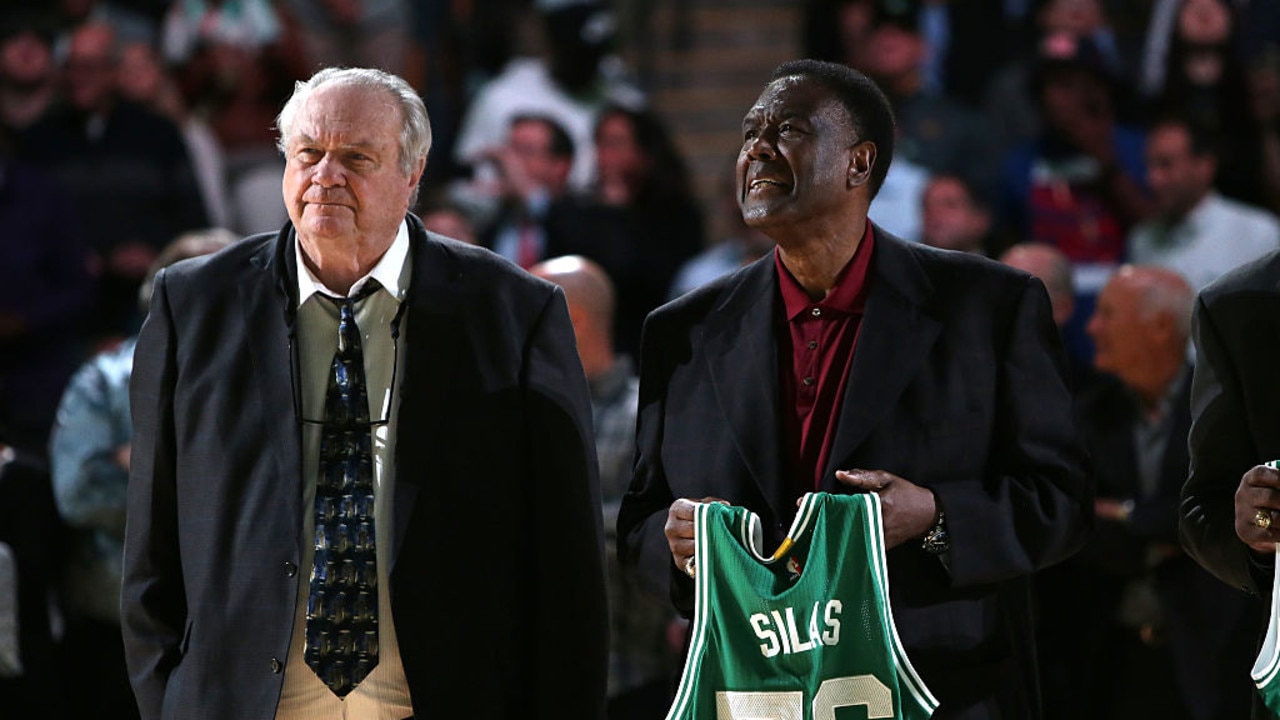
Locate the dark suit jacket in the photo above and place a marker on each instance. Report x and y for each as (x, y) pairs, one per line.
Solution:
(1235, 423)
(1203, 617)
(496, 575)
(957, 384)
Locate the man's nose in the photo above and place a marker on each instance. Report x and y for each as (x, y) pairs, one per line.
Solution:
(329, 172)
(761, 147)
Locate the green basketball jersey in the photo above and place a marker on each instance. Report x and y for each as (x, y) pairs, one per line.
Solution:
(806, 634)
(1267, 666)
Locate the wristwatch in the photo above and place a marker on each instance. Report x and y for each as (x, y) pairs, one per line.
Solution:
(936, 541)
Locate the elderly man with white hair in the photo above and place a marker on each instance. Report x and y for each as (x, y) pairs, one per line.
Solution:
(362, 474)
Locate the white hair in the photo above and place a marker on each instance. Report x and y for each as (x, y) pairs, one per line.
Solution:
(415, 132)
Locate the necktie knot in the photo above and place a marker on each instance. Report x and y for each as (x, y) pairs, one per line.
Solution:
(348, 332)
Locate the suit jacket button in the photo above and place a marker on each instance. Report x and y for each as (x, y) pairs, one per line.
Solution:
(290, 569)
(276, 666)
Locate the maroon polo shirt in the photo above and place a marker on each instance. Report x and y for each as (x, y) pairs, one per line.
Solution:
(813, 361)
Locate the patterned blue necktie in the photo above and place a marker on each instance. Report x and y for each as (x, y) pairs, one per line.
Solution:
(342, 609)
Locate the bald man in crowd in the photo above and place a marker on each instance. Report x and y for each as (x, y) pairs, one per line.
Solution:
(642, 664)
(1141, 616)
(1054, 269)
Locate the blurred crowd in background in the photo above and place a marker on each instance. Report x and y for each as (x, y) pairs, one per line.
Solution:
(1127, 152)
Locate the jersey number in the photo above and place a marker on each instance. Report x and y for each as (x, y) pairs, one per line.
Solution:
(789, 705)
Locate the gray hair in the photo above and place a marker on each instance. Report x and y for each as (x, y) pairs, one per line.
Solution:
(415, 132)
(1167, 292)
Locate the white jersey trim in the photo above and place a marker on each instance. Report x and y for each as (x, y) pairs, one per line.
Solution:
(1267, 664)
(906, 671)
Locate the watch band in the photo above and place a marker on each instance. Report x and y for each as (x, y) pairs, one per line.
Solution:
(936, 541)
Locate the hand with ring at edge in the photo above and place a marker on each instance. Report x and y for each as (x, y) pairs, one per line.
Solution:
(679, 532)
(1257, 502)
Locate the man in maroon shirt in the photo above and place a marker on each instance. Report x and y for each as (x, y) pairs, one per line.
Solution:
(852, 361)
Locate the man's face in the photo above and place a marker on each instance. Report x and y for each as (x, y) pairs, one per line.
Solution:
(342, 184)
(91, 68)
(1179, 179)
(893, 52)
(140, 75)
(949, 217)
(1080, 18)
(1119, 330)
(618, 154)
(1205, 22)
(25, 60)
(796, 155)
(530, 140)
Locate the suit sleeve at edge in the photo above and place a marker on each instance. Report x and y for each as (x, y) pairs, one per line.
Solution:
(571, 627)
(153, 606)
(1221, 451)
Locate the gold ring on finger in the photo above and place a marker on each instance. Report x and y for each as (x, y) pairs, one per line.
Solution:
(1262, 518)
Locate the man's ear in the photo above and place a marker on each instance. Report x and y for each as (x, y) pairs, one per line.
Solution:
(862, 157)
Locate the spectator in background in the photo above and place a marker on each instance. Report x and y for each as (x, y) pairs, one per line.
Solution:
(837, 30)
(143, 79)
(1079, 185)
(896, 208)
(970, 41)
(531, 172)
(953, 217)
(1054, 269)
(232, 61)
(126, 168)
(353, 33)
(642, 664)
(31, 680)
(28, 78)
(89, 452)
(570, 79)
(1140, 618)
(1196, 232)
(1253, 25)
(130, 19)
(1206, 84)
(1264, 101)
(45, 292)
(934, 132)
(1009, 106)
(641, 219)
(191, 24)
(740, 246)
(441, 215)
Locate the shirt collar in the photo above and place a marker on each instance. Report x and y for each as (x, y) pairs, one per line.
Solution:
(848, 295)
(386, 272)
(1199, 214)
(1167, 402)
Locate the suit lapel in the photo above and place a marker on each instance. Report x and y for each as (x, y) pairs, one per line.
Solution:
(269, 307)
(434, 333)
(742, 364)
(893, 341)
